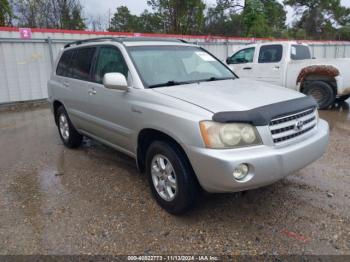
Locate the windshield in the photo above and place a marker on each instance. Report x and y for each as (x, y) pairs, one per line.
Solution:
(173, 65)
(300, 52)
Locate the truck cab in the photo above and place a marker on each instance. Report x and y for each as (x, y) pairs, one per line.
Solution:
(291, 65)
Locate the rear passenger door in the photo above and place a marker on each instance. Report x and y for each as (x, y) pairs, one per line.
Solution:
(77, 82)
(110, 109)
(73, 76)
(270, 66)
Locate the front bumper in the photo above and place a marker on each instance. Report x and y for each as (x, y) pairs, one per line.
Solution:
(268, 164)
(343, 89)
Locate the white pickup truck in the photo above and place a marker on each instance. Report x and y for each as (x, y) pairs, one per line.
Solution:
(290, 64)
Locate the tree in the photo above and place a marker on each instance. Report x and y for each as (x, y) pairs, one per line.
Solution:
(253, 18)
(180, 17)
(275, 16)
(319, 18)
(76, 21)
(61, 14)
(225, 19)
(151, 23)
(5, 13)
(124, 21)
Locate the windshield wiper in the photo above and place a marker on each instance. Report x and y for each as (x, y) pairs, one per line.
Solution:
(169, 83)
(216, 79)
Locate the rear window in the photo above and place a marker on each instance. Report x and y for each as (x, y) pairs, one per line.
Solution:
(300, 52)
(81, 63)
(63, 64)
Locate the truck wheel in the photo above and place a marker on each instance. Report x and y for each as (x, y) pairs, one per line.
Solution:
(322, 92)
(171, 178)
(69, 135)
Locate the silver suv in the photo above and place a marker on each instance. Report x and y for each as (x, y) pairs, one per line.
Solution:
(185, 117)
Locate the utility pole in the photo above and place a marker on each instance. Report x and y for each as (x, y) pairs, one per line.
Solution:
(109, 18)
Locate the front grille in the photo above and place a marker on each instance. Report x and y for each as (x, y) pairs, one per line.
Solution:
(291, 126)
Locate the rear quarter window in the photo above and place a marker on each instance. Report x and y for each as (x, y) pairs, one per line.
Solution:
(300, 52)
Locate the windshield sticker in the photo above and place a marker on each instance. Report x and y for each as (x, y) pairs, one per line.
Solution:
(294, 50)
(205, 56)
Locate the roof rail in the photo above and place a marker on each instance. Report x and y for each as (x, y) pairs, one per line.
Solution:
(79, 42)
(182, 40)
(123, 39)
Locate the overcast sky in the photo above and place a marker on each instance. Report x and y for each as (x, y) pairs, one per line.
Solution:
(102, 7)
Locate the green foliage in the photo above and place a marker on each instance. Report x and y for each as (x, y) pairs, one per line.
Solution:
(319, 19)
(180, 17)
(61, 14)
(254, 19)
(124, 21)
(223, 19)
(151, 23)
(275, 17)
(5, 13)
(76, 21)
(316, 19)
(344, 33)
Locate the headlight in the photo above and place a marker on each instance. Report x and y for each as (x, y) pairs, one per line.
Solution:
(220, 136)
(317, 116)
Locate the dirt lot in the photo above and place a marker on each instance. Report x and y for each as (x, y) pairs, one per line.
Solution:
(94, 201)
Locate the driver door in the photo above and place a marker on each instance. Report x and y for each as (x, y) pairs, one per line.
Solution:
(242, 62)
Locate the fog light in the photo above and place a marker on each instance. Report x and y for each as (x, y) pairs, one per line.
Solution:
(241, 172)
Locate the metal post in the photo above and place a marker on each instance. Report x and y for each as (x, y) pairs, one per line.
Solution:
(49, 41)
(227, 49)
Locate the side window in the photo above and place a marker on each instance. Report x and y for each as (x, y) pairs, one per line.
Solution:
(300, 52)
(270, 54)
(81, 64)
(63, 64)
(244, 56)
(110, 60)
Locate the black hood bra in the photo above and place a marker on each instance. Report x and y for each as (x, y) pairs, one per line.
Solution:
(262, 116)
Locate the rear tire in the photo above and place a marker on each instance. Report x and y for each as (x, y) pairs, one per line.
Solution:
(171, 178)
(322, 92)
(69, 135)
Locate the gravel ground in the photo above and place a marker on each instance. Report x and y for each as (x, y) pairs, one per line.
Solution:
(94, 201)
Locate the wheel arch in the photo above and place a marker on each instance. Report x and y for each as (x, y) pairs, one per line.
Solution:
(326, 73)
(55, 105)
(144, 140)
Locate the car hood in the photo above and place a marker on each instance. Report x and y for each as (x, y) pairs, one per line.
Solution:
(230, 95)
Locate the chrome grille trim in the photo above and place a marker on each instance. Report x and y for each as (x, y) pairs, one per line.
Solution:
(284, 128)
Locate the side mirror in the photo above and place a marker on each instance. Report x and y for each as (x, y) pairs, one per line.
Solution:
(115, 81)
(228, 60)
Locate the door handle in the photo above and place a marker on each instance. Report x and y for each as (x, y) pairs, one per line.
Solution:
(247, 68)
(92, 92)
(277, 67)
(66, 84)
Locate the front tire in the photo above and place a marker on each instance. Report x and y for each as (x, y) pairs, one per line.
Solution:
(171, 178)
(69, 135)
(322, 92)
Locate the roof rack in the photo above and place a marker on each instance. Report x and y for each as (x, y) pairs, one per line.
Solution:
(182, 40)
(123, 39)
(79, 42)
